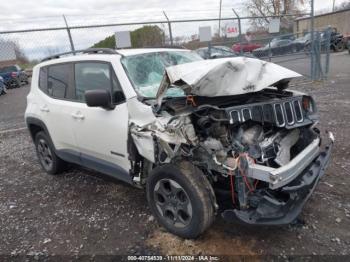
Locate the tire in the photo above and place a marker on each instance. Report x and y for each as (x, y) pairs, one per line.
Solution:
(48, 159)
(181, 198)
(307, 49)
(339, 47)
(15, 83)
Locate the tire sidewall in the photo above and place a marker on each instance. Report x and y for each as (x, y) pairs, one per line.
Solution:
(54, 168)
(172, 172)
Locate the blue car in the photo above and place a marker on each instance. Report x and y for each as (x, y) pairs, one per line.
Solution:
(2, 86)
(13, 76)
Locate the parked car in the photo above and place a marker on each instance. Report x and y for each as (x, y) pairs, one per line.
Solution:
(246, 47)
(13, 76)
(337, 41)
(302, 42)
(2, 86)
(218, 52)
(290, 37)
(200, 136)
(29, 72)
(278, 47)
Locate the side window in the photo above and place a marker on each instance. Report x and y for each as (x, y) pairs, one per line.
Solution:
(117, 92)
(43, 79)
(59, 81)
(94, 75)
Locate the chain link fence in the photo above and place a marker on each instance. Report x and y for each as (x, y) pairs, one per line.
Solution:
(26, 47)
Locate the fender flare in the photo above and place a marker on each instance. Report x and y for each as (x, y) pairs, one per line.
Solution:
(37, 122)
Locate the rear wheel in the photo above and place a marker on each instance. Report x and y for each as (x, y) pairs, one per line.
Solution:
(181, 198)
(339, 47)
(48, 159)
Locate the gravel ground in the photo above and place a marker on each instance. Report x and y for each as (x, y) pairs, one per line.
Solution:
(84, 213)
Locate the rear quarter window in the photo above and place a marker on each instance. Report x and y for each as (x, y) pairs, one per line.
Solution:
(60, 81)
(57, 80)
(43, 79)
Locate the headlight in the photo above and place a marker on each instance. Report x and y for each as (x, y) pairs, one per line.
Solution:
(308, 104)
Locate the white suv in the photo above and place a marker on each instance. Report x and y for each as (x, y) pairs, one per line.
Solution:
(202, 136)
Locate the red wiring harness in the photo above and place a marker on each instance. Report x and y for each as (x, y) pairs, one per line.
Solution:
(250, 187)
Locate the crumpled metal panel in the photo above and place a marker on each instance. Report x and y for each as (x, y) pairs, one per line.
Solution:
(226, 76)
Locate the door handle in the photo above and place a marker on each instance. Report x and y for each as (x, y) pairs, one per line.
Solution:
(78, 115)
(44, 108)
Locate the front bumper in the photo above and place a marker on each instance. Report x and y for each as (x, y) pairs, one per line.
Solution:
(271, 210)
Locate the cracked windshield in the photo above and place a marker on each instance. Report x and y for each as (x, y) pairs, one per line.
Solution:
(146, 70)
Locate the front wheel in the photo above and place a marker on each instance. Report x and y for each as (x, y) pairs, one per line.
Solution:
(181, 198)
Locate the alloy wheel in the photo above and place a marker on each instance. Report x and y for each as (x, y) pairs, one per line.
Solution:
(173, 203)
(45, 154)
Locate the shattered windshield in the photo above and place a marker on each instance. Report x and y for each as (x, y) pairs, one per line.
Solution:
(146, 70)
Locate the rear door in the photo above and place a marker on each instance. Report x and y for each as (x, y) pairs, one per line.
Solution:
(55, 104)
(101, 134)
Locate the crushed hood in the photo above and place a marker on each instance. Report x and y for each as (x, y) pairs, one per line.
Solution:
(221, 77)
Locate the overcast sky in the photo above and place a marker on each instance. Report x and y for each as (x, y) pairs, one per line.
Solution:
(16, 11)
(28, 14)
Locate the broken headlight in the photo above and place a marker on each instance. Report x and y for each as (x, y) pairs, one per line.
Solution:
(308, 104)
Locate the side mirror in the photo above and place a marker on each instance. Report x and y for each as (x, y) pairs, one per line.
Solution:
(99, 98)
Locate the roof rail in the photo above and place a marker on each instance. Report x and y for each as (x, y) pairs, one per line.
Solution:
(165, 46)
(84, 51)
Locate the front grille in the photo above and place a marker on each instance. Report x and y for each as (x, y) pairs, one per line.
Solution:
(282, 114)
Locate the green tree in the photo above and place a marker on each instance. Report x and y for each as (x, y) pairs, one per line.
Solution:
(147, 36)
(108, 42)
(141, 37)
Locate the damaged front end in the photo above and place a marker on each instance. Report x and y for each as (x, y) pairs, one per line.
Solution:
(258, 147)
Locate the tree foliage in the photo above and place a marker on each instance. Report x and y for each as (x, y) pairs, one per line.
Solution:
(141, 37)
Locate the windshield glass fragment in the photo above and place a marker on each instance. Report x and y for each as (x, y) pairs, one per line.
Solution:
(146, 70)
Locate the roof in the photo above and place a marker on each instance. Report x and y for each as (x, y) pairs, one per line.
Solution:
(69, 57)
(137, 51)
(107, 56)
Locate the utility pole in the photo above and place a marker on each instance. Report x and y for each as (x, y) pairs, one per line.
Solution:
(220, 19)
(333, 5)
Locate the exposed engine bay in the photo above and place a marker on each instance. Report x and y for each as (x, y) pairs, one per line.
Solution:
(248, 146)
(254, 141)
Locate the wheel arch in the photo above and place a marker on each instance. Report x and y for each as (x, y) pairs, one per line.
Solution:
(36, 125)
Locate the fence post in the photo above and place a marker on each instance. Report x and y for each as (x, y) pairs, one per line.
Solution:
(69, 35)
(239, 31)
(318, 53)
(327, 49)
(312, 46)
(169, 26)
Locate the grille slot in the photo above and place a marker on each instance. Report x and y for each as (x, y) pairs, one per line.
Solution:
(257, 113)
(247, 114)
(298, 112)
(289, 113)
(279, 115)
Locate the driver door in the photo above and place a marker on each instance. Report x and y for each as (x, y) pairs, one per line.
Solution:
(101, 134)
